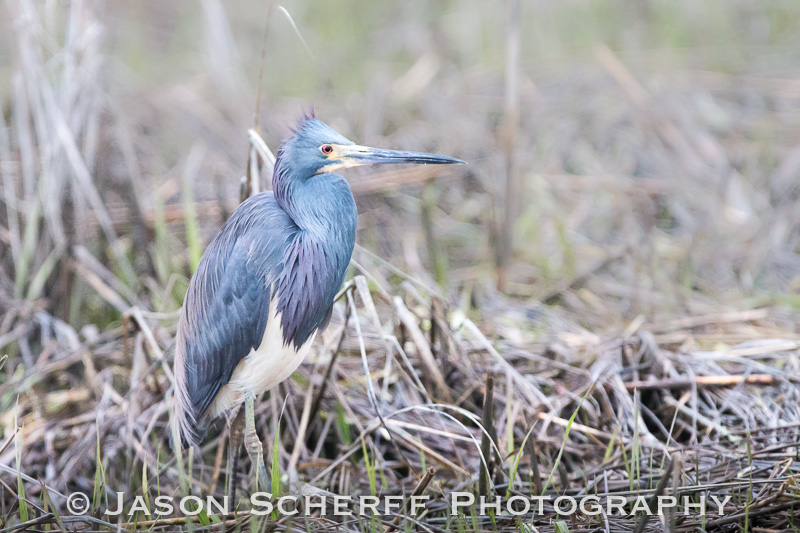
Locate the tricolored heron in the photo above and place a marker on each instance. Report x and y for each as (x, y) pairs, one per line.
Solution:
(266, 284)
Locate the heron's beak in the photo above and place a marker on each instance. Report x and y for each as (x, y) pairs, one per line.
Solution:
(364, 155)
(348, 156)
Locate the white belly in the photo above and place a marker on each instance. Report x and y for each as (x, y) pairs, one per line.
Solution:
(268, 365)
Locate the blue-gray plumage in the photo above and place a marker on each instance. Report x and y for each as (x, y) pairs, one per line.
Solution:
(266, 283)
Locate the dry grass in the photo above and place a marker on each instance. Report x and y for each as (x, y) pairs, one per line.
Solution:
(730, 414)
(646, 341)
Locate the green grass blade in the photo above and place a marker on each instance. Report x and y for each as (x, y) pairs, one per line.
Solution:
(564, 442)
(275, 469)
(515, 467)
(18, 444)
(191, 223)
(370, 469)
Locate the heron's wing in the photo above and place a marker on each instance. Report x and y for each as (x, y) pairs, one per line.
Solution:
(227, 304)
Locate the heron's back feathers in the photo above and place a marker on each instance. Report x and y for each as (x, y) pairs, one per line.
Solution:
(259, 259)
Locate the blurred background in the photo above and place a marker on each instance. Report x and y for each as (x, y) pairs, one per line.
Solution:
(631, 203)
(651, 149)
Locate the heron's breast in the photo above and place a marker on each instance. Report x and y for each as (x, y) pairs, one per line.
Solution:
(265, 367)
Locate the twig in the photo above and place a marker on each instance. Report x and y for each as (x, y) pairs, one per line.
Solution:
(487, 437)
(531, 391)
(707, 320)
(370, 389)
(44, 519)
(418, 490)
(157, 353)
(704, 381)
(423, 349)
(511, 119)
(299, 442)
(651, 503)
(320, 394)
(672, 402)
(677, 469)
(531, 449)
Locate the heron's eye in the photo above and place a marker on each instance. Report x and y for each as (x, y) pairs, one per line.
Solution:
(326, 149)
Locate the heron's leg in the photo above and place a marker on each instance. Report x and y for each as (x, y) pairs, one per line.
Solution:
(235, 426)
(254, 448)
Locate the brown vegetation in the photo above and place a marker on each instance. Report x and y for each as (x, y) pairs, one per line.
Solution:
(645, 340)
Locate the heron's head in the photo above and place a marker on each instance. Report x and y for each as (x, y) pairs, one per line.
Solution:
(315, 149)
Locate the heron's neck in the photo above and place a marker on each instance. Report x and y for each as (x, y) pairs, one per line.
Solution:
(316, 256)
(323, 207)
